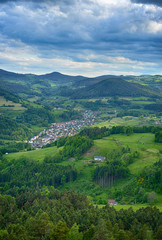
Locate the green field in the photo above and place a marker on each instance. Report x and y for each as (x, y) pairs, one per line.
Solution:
(128, 121)
(37, 155)
(4, 104)
(134, 207)
(143, 143)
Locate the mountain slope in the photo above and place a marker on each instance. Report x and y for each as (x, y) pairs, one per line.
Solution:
(61, 78)
(113, 87)
(54, 76)
(27, 85)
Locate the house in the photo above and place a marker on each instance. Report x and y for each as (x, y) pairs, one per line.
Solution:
(112, 202)
(99, 158)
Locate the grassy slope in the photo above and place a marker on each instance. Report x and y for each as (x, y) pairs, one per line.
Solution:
(37, 155)
(149, 153)
(16, 106)
(128, 121)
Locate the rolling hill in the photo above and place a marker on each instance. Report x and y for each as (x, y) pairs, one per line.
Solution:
(27, 85)
(114, 87)
(55, 83)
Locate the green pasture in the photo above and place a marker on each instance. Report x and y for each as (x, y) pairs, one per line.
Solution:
(37, 155)
(135, 207)
(142, 102)
(36, 129)
(32, 104)
(141, 142)
(33, 99)
(127, 121)
(7, 103)
(149, 154)
(10, 113)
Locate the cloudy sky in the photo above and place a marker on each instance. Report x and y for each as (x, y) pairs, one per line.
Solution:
(81, 37)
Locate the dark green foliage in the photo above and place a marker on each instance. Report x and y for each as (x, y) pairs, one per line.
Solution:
(15, 147)
(76, 146)
(69, 115)
(95, 133)
(106, 176)
(36, 214)
(157, 107)
(94, 106)
(158, 137)
(61, 142)
(10, 129)
(152, 176)
(31, 173)
(113, 87)
(133, 113)
(43, 116)
(9, 96)
(37, 116)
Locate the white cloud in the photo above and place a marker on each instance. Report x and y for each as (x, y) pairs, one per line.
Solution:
(96, 36)
(154, 27)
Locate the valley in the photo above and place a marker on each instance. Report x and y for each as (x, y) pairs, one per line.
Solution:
(63, 129)
(54, 127)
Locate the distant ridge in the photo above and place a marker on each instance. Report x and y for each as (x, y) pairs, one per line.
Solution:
(54, 76)
(113, 87)
(55, 84)
(32, 84)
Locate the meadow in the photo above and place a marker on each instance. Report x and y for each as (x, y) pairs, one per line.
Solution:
(37, 155)
(6, 104)
(149, 153)
(128, 121)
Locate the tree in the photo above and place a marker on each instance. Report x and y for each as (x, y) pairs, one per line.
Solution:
(151, 197)
(4, 235)
(59, 232)
(74, 233)
(101, 231)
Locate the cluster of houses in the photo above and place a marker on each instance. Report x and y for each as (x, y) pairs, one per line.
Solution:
(112, 202)
(63, 129)
(159, 122)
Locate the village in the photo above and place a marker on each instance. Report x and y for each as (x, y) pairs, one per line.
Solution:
(62, 129)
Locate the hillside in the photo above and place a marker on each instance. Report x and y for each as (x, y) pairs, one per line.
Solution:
(55, 84)
(137, 155)
(28, 85)
(54, 76)
(114, 87)
(90, 81)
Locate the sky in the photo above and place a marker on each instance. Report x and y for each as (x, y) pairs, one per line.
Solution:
(81, 37)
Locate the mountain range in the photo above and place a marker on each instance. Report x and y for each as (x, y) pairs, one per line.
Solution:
(55, 83)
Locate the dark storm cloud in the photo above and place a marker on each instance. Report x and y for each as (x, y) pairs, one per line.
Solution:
(53, 2)
(154, 2)
(74, 29)
(39, 1)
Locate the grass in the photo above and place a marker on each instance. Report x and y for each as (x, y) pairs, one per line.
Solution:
(33, 99)
(127, 121)
(4, 104)
(149, 153)
(37, 155)
(134, 207)
(143, 143)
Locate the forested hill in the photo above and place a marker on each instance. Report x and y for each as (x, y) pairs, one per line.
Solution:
(54, 76)
(9, 96)
(55, 83)
(44, 79)
(28, 85)
(114, 87)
